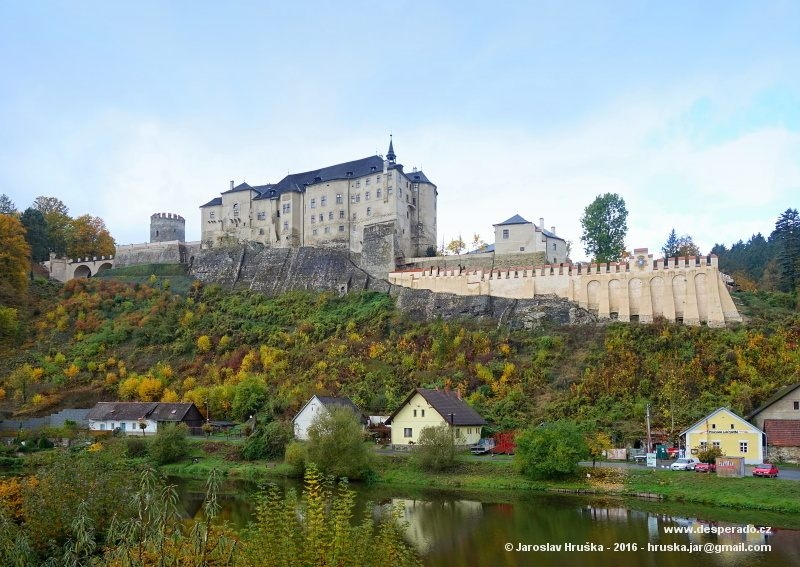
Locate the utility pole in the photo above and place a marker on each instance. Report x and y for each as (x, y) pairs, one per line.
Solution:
(649, 440)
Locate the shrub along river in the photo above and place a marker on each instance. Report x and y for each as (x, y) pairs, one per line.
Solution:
(508, 529)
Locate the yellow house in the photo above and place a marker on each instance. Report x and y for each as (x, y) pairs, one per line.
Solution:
(433, 408)
(732, 434)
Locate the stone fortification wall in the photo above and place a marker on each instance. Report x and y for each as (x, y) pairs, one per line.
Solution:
(273, 271)
(173, 252)
(689, 290)
(486, 261)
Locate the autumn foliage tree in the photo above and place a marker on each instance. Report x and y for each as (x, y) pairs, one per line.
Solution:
(89, 237)
(14, 260)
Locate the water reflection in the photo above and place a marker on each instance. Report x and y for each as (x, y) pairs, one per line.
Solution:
(455, 530)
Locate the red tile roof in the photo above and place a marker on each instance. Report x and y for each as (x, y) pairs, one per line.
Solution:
(782, 432)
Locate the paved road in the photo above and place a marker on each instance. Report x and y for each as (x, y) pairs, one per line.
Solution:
(786, 473)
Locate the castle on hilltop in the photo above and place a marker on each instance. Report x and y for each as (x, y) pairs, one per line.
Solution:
(370, 208)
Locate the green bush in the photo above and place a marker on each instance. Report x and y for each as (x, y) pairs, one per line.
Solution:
(551, 450)
(295, 457)
(10, 462)
(268, 442)
(336, 445)
(135, 447)
(709, 454)
(435, 450)
(169, 444)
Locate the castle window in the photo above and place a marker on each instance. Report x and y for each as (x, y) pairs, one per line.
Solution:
(313, 203)
(338, 198)
(321, 217)
(388, 191)
(260, 231)
(261, 216)
(414, 201)
(285, 225)
(378, 178)
(522, 249)
(406, 197)
(156, 233)
(211, 215)
(505, 234)
(341, 214)
(354, 216)
(358, 183)
(369, 211)
(327, 230)
(287, 207)
(323, 201)
(554, 245)
(341, 228)
(313, 219)
(399, 191)
(378, 193)
(314, 232)
(366, 195)
(330, 215)
(235, 210)
(366, 181)
(389, 175)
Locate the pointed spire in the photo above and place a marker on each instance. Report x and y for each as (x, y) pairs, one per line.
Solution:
(390, 154)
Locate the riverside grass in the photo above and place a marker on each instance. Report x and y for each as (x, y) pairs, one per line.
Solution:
(487, 474)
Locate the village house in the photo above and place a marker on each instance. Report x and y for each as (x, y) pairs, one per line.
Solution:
(433, 408)
(519, 236)
(318, 405)
(129, 417)
(732, 434)
(779, 418)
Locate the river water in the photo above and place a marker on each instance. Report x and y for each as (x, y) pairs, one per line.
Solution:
(456, 529)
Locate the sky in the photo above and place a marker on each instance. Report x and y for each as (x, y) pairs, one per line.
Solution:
(690, 111)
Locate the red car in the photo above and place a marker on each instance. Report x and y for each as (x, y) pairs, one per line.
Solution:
(672, 452)
(705, 467)
(766, 469)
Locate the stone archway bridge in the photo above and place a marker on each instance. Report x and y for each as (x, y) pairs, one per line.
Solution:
(63, 269)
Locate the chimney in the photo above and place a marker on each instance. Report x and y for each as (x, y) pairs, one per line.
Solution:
(231, 183)
(541, 223)
(553, 229)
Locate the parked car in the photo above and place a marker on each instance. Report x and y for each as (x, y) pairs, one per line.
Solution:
(766, 469)
(705, 467)
(684, 464)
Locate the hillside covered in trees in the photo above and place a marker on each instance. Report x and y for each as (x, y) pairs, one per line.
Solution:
(246, 353)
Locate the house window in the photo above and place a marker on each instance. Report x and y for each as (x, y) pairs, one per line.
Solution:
(797, 405)
(715, 444)
(338, 198)
(731, 426)
(341, 228)
(713, 426)
(330, 215)
(323, 201)
(261, 216)
(369, 211)
(366, 195)
(313, 203)
(211, 215)
(505, 234)
(407, 432)
(378, 193)
(423, 413)
(703, 445)
(415, 413)
(235, 210)
(341, 213)
(321, 217)
(743, 446)
(102, 427)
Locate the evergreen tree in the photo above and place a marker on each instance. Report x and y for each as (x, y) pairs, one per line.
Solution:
(56, 214)
(670, 248)
(787, 238)
(605, 224)
(7, 206)
(36, 233)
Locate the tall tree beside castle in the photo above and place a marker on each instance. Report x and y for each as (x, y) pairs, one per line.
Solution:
(36, 233)
(89, 237)
(605, 224)
(787, 238)
(56, 214)
(14, 261)
(680, 246)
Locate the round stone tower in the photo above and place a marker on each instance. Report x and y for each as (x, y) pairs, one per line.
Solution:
(167, 227)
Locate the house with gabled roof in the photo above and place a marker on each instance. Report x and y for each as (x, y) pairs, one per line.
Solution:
(779, 417)
(433, 408)
(519, 236)
(732, 434)
(129, 417)
(318, 405)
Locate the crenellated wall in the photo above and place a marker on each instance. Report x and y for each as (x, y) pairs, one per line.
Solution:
(689, 290)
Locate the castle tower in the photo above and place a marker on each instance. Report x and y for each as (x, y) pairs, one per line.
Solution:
(390, 154)
(167, 227)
